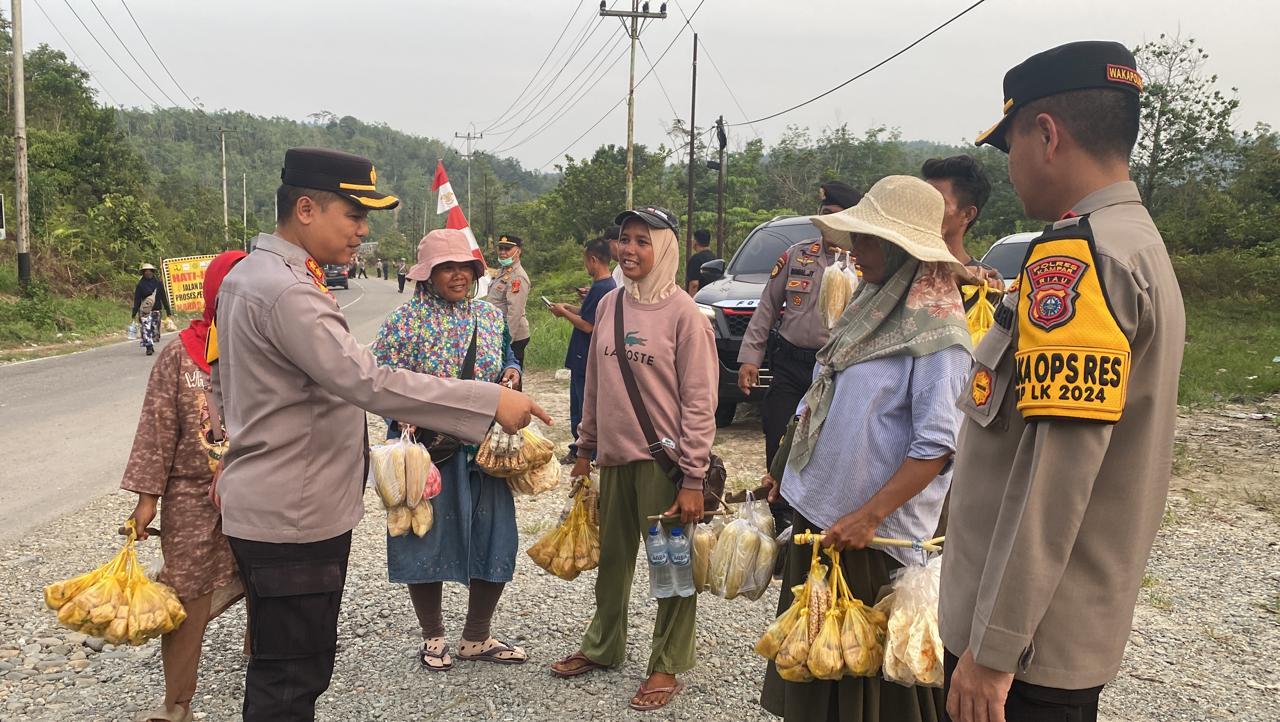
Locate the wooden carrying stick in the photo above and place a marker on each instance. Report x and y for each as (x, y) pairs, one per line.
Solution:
(717, 512)
(928, 545)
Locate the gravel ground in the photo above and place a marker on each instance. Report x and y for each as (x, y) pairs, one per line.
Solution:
(1205, 644)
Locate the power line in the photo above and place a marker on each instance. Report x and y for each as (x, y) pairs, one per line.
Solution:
(714, 66)
(153, 52)
(94, 3)
(76, 55)
(583, 75)
(596, 124)
(539, 96)
(674, 113)
(114, 62)
(556, 44)
(914, 43)
(586, 89)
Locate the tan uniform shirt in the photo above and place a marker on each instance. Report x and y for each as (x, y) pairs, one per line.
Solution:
(293, 385)
(1052, 520)
(793, 285)
(509, 292)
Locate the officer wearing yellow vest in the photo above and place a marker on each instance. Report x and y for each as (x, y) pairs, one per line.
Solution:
(293, 385)
(1063, 462)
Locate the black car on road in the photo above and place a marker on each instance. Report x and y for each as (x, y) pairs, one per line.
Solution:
(335, 276)
(731, 301)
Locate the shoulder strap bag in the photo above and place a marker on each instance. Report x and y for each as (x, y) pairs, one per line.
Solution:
(660, 449)
(442, 446)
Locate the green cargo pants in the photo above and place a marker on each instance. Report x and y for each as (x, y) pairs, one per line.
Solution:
(629, 494)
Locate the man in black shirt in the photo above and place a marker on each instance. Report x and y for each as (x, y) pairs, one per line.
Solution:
(693, 279)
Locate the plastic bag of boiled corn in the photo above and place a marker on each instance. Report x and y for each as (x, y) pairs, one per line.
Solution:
(839, 281)
(573, 546)
(406, 480)
(116, 601)
(913, 652)
(741, 563)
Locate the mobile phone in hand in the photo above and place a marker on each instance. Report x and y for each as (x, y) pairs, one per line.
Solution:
(546, 301)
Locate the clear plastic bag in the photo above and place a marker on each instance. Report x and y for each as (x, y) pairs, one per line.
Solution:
(745, 552)
(913, 653)
(704, 544)
(839, 281)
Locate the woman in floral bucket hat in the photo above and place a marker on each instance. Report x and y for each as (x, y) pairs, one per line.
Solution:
(872, 448)
(446, 331)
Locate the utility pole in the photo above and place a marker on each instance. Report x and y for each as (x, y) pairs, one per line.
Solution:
(693, 149)
(637, 13)
(244, 207)
(20, 152)
(723, 141)
(470, 136)
(226, 224)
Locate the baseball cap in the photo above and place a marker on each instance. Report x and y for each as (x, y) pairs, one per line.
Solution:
(655, 216)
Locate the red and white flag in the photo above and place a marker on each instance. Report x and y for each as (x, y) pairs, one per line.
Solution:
(447, 202)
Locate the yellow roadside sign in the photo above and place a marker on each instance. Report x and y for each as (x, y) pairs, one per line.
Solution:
(184, 282)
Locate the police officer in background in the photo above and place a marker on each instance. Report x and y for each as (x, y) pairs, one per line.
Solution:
(1062, 465)
(294, 386)
(510, 292)
(794, 336)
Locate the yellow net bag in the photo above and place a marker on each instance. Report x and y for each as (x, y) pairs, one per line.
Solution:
(116, 601)
(573, 546)
(982, 315)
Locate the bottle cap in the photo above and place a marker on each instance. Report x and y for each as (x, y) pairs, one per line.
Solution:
(677, 532)
(655, 530)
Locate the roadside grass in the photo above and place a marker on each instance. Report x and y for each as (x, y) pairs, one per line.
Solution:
(44, 321)
(1229, 352)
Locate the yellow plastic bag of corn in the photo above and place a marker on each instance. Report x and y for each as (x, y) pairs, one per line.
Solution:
(573, 546)
(981, 316)
(116, 601)
(913, 653)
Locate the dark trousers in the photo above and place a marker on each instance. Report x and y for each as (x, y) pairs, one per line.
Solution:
(517, 348)
(577, 390)
(792, 369)
(1033, 703)
(400, 279)
(294, 592)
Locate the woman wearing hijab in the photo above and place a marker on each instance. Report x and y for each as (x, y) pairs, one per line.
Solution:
(445, 331)
(872, 449)
(169, 465)
(670, 349)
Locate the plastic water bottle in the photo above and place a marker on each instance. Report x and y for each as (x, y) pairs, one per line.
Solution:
(661, 583)
(681, 562)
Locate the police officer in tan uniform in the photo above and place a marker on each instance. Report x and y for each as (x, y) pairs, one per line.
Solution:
(294, 385)
(510, 292)
(1063, 461)
(789, 322)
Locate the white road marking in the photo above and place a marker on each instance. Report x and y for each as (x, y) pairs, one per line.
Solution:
(362, 292)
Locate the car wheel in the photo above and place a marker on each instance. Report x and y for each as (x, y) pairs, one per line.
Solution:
(725, 412)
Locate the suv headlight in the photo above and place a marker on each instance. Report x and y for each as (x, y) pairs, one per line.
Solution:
(708, 311)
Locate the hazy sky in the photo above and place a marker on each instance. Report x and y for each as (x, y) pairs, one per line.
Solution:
(432, 68)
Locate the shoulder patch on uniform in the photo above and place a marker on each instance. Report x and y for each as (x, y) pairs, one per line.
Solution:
(816, 248)
(777, 267)
(981, 390)
(1072, 358)
(1051, 290)
(515, 286)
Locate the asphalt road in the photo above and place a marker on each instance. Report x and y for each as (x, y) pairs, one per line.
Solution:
(67, 422)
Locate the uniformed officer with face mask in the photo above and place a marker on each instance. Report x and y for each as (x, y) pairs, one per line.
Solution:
(510, 292)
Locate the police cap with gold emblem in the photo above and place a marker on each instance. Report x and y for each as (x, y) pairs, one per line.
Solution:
(510, 241)
(350, 176)
(1081, 65)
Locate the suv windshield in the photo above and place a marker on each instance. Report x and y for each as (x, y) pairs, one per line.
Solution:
(763, 247)
(1007, 258)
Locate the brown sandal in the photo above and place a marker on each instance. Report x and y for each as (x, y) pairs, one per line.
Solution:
(643, 692)
(561, 669)
(493, 653)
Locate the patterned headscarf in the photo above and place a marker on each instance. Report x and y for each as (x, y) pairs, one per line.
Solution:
(916, 312)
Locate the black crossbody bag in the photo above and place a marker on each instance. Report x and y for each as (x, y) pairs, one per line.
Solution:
(659, 449)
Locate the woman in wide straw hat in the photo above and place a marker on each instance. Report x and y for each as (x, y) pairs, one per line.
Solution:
(872, 447)
(473, 540)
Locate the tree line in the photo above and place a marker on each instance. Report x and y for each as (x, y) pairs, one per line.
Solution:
(111, 188)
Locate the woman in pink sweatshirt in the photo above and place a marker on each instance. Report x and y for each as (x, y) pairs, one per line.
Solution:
(669, 347)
